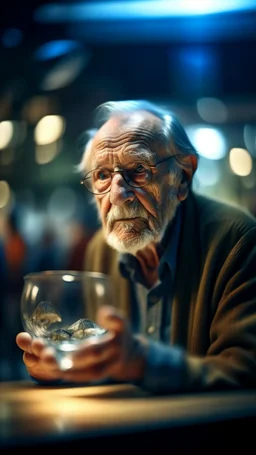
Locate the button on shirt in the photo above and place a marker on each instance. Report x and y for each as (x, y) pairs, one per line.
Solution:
(151, 310)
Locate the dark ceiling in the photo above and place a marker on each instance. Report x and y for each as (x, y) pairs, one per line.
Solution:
(175, 59)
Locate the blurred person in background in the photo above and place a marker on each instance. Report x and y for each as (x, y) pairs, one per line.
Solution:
(15, 250)
(46, 255)
(183, 265)
(3, 288)
(78, 240)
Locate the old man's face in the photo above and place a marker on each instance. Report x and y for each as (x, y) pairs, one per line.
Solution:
(133, 217)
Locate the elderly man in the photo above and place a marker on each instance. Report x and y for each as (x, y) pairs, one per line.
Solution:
(183, 266)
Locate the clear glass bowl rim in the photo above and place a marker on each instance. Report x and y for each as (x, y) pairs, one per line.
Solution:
(53, 274)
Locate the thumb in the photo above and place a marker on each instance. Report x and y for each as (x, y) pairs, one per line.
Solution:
(110, 318)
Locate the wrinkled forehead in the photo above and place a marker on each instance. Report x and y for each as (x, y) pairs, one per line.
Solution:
(136, 127)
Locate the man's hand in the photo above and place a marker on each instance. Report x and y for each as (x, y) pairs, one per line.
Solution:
(117, 355)
(39, 360)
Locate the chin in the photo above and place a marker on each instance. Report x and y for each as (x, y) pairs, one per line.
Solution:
(130, 245)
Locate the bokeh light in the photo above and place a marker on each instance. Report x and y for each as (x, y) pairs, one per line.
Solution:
(49, 129)
(212, 110)
(6, 133)
(240, 161)
(209, 142)
(46, 153)
(5, 194)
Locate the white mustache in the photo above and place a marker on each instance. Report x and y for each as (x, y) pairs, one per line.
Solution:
(126, 212)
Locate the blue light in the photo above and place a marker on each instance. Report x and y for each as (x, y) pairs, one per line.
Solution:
(12, 37)
(55, 49)
(125, 10)
(195, 59)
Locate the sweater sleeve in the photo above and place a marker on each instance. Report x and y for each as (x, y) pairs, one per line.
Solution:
(231, 357)
(230, 361)
(165, 368)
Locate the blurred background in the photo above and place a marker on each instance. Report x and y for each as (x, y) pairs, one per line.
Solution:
(58, 62)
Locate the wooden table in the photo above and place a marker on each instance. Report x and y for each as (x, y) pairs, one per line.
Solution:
(116, 416)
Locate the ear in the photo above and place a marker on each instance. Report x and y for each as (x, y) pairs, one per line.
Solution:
(189, 167)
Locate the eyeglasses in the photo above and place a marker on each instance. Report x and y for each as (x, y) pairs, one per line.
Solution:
(136, 173)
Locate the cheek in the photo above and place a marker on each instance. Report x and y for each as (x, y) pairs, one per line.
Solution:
(165, 193)
(150, 199)
(103, 206)
(162, 195)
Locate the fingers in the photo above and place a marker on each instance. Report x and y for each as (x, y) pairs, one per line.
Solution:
(103, 356)
(43, 367)
(30, 345)
(49, 361)
(111, 319)
(96, 351)
(94, 360)
(30, 360)
(98, 370)
(39, 360)
(24, 340)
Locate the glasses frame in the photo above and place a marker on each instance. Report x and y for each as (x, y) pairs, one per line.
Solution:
(122, 172)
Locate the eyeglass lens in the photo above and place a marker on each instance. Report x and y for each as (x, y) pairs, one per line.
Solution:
(135, 174)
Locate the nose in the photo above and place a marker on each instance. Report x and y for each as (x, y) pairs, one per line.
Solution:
(120, 191)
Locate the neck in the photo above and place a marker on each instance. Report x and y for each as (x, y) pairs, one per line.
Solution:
(149, 259)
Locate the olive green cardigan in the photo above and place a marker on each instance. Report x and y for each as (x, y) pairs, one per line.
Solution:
(214, 305)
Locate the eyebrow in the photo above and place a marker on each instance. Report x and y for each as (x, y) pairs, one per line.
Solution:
(146, 153)
(143, 157)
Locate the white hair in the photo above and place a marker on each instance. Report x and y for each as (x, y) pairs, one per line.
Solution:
(173, 133)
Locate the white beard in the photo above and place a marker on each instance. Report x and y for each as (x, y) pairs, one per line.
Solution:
(147, 235)
(131, 245)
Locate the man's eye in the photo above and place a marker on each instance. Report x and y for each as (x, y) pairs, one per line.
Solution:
(139, 168)
(102, 175)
